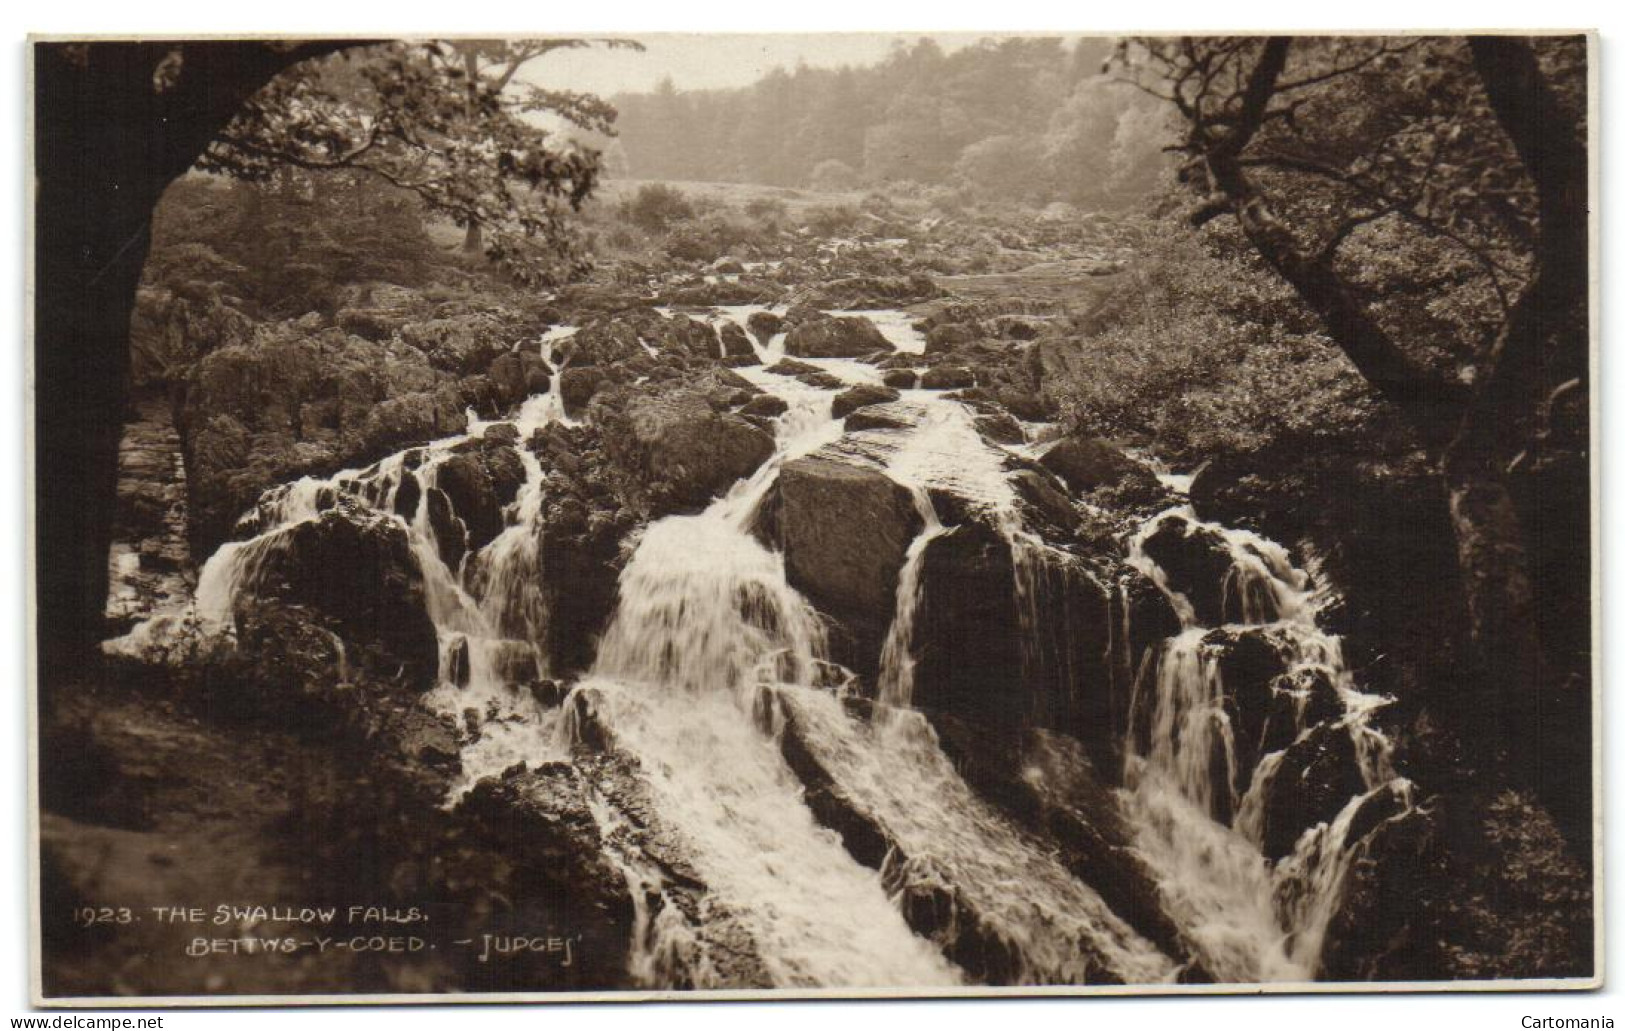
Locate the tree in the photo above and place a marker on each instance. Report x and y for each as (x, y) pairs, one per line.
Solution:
(443, 121)
(114, 124)
(1336, 156)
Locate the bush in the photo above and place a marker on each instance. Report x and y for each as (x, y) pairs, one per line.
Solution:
(709, 238)
(656, 207)
(1205, 354)
(834, 219)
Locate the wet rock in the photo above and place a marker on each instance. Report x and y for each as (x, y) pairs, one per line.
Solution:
(1000, 428)
(900, 379)
(835, 337)
(791, 367)
(537, 374)
(1046, 781)
(822, 380)
(863, 836)
(296, 401)
(1302, 698)
(1318, 776)
(675, 446)
(407, 496)
(451, 539)
(356, 569)
(860, 396)
(765, 406)
(1086, 463)
(1250, 662)
(479, 482)
(947, 377)
(504, 433)
(877, 417)
(984, 655)
(1195, 561)
(764, 325)
(583, 521)
(457, 663)
(1051, 508)
(844, 530)
(735, 344)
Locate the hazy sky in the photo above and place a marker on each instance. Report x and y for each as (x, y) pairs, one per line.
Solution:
(713, 61)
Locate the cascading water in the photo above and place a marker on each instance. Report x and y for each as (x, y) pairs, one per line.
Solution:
(705, 617)
(710, 646)
(489, 613)
(707, 622)
(1183, 772)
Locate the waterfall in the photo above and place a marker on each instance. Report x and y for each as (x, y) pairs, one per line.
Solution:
(705, 618)
(1183, 768)
(711, 656)
(489, 614)
(896, 685)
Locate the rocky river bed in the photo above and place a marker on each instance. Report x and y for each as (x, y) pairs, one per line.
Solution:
(746, 633)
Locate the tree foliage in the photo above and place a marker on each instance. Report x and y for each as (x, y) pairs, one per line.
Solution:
(449, 122)
(1426, 199)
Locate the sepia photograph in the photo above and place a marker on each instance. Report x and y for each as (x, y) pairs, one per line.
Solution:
(767, 516)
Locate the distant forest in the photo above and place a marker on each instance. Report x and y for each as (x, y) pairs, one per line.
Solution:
(1022, 119)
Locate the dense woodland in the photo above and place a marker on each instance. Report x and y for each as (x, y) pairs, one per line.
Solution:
(1025, 119)
(1340, 283)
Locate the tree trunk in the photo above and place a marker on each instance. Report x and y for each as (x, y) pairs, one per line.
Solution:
(473, 236)
(114, 124)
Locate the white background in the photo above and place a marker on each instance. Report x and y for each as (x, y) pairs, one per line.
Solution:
(1329, 1013)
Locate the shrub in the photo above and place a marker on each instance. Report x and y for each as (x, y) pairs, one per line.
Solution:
(833, 219)
(1204, 354)
(656, 207)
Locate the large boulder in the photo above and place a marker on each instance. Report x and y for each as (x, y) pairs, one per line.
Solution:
(1476, 884)
(582, 524)
(947, 377)
(462, 344)
(1195, 561)
(987, 651)
(828, 336)
(674, 446)
(735, 344)
(480, 479)
(357, 570)
(844, 530)
(764, 325)
(1318, 776)
(860, 396)
(1086, 463)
